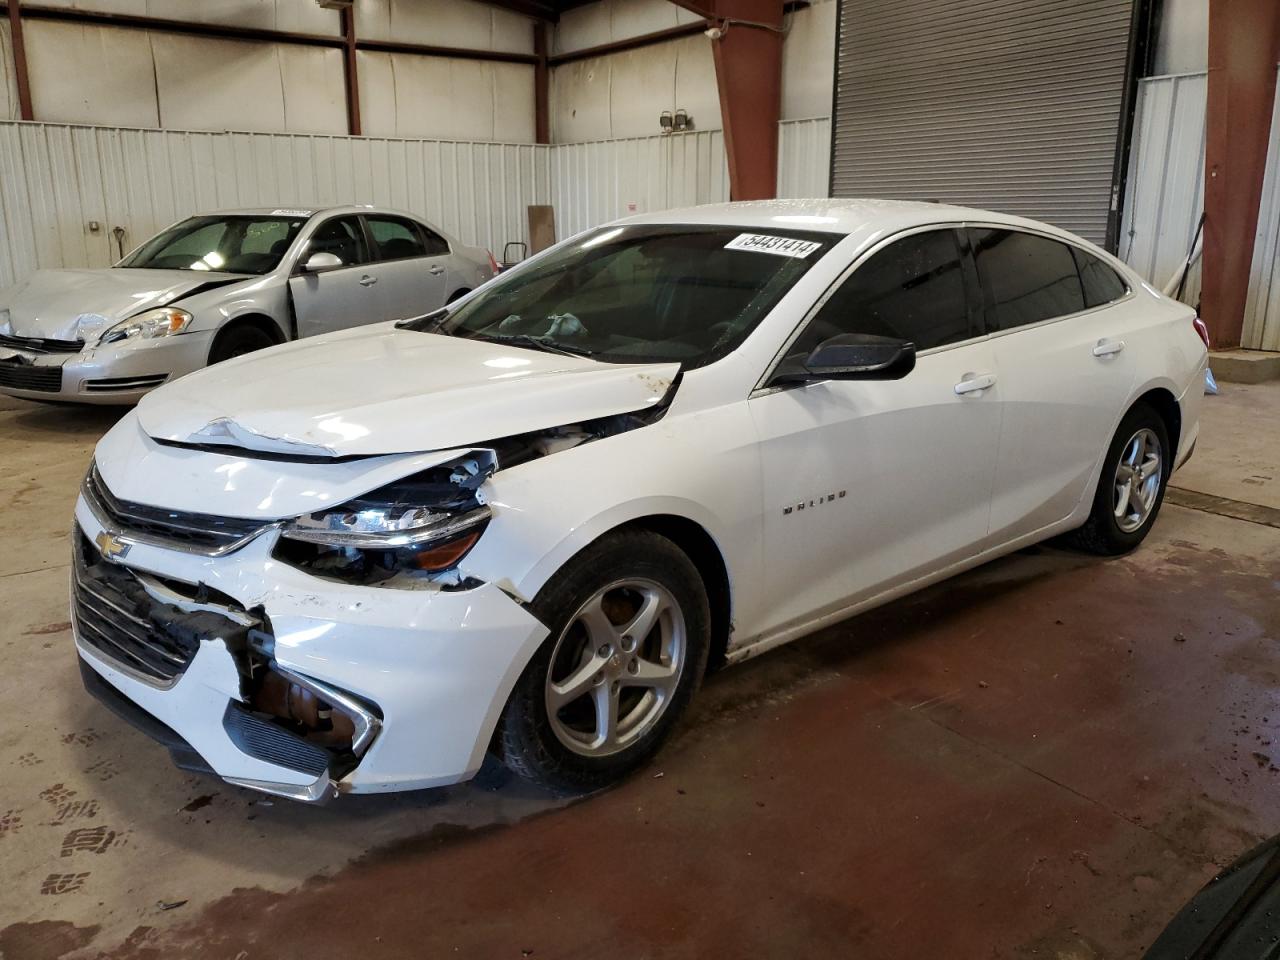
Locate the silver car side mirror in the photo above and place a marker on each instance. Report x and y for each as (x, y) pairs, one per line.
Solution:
(320, 261)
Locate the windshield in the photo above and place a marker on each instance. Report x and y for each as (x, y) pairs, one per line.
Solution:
(230, 244)
(642, 293)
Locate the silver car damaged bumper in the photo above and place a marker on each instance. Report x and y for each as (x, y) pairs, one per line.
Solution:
(119, 373)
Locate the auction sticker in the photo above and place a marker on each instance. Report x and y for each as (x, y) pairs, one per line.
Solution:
(779, 246)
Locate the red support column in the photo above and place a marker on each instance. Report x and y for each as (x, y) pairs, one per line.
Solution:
(20, 61)
(541, 84)
(350, 76)
(748, 58)
(1244, 45)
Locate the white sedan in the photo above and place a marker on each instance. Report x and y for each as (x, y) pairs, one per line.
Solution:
(529, 522)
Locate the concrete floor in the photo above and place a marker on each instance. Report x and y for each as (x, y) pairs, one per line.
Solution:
(1045, 757)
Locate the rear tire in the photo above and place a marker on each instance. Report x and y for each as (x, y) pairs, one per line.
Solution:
(237, 341)
(630, 633)
(1131, 485)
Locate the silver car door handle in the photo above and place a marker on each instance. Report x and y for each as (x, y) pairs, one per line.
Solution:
(368, 281)
(436, 269)
(1107, 348)
(975, 383)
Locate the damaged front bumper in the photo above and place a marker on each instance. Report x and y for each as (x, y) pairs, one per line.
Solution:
(281, 682)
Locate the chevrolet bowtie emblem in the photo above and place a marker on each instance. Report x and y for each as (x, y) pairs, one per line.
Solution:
(111, 546)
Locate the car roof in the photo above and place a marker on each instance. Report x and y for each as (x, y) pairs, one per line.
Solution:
(837, 215)
(303, 209)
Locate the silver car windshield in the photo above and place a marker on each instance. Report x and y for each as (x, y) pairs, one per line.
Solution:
(639, 293)
(226, 244)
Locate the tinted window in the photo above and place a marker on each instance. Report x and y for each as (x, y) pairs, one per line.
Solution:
(1027, 278)
(395, 239)
(1101, 283)
(912, 290)
(342, 237)
(437, 246)
(232, 244)
(644, 292)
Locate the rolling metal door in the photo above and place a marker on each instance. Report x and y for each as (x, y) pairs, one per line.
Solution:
(1011, 105)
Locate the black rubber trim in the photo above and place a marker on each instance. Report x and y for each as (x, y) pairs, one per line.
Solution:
(184, 755)
(270, 743)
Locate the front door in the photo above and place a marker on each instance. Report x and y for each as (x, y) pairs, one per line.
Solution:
(871, 484)
(341, 297)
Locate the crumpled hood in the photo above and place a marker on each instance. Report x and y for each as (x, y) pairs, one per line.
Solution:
(380, 390)
(80, 304)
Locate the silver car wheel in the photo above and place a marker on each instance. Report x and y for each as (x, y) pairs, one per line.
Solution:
(1137, 480)
(615, 667)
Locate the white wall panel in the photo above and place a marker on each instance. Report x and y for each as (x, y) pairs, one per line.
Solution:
(83, 73)
(620, 95)
(1164, 195)
(402, 95)
(1262, 309)
(593, 183)
(445, 23)
(804, 158)
(293, 15)
(608, 21)
(808, 61)
(58, 178)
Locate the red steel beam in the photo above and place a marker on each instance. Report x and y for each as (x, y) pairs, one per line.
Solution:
(350, 76)
(748, 58)
(1244, 45)
(21, 76)
(541, 86)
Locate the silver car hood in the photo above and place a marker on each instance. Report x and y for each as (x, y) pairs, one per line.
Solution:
(79, 304)
(380, 390)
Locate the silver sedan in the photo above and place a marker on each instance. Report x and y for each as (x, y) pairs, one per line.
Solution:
(219, 285)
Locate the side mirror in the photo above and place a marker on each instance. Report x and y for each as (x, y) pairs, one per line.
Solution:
(320, 261)
(850, 356)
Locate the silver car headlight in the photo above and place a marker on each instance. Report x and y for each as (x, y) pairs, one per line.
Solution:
(421, 525)
(149, 325)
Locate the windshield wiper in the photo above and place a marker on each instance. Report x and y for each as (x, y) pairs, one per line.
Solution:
(424, 322)
(535, 343)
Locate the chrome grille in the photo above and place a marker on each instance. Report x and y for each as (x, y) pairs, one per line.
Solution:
(129, 622)
(40, 344)
(175, 529)
(111, 613)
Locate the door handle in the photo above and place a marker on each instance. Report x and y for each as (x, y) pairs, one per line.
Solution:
(436, 270)
(368, 281)
(975, 383)
(1107, 348)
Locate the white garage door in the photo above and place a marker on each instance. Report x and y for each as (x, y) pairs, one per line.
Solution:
(1012, 105)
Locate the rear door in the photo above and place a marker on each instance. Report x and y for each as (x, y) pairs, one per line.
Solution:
(412, 275)
(1064, 374)
(871, 484)
(341, 297)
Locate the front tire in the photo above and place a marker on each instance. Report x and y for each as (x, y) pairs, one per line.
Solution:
(238, 341)
(1131, 485)
(630, 633)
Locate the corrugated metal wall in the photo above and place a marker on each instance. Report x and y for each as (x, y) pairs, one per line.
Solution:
(804, 158)
(593, 183)
(1014, 106)
(1262, 311)
(1164, 194)
(55, 179)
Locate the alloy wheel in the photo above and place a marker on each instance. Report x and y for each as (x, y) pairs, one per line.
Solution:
(615, 667)
(1137, 480)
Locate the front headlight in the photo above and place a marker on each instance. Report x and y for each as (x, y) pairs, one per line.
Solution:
(6, 327)
(422, 525)
(149, 325)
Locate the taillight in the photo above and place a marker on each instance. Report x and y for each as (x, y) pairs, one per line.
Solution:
(493, 264)
(1202, 330)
